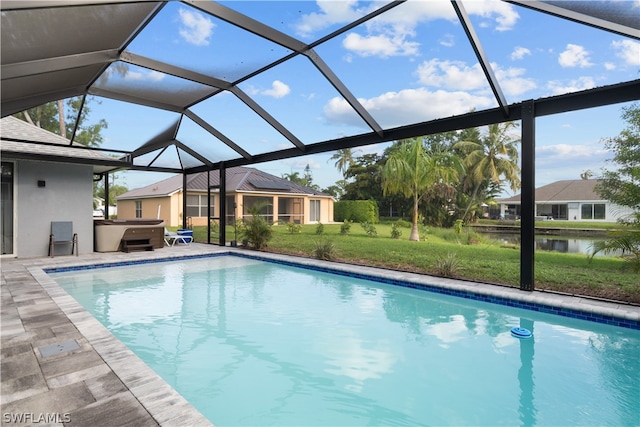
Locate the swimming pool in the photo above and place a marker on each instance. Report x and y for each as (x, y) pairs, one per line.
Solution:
(249, 342)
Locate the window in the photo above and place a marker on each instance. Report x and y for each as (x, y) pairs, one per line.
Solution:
(314, 211)
(593, 211)
(138, 208)
(197, 205)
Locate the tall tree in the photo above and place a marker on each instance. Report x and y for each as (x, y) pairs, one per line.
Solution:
(621, 186)
(344, 159)
(490, 160)
(411, 171)
(61, 117)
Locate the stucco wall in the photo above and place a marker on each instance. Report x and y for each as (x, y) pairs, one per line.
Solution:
(66, 196)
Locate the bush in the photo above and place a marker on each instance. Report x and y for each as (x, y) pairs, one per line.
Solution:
(447, 266)
(294, 228)
(370, 229)
(356, 211)
(403, 223)
(345, 228)
(395, 231)
(256, 232)
(320, 228)
(325, 250)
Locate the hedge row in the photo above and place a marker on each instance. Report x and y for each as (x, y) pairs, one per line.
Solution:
(356, 211)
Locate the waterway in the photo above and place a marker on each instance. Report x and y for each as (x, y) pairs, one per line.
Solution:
(562, 244)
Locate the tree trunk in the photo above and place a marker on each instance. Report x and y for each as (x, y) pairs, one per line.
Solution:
(415, 235)
(63, 130)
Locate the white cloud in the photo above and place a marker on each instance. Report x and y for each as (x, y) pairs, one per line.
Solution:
(628, 51)
(150, 75)
(447, 40)
(574, 56)
(609, 66)
(389, 34)
(278, 90)
(331, 12)
(380, 45)
(196, 28)
(503, 13)
(456, 75)
(519, 53)
(582, 83)
(406, 106)
(512, 80)
(564, 161)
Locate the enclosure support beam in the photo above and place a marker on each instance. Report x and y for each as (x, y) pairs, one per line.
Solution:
(184, 200)
(106, 195)
(528, 203)
(222, 192)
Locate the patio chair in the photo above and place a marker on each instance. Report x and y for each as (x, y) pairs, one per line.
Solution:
(171, 238)
(62, 233)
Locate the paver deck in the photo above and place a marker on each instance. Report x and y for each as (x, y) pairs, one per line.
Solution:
(60, 366)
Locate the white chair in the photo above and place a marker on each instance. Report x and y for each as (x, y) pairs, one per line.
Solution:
(171, 238)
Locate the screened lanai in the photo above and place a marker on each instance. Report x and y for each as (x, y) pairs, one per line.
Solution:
(196, 86)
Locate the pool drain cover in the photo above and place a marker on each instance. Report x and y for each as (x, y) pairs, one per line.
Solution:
(63, 347)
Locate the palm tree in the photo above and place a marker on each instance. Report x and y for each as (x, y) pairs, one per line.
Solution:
(343, 158)
(410, 171)
(490, 160)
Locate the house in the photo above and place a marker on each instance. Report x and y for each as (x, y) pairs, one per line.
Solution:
(45, 178)
(279, 200)
(570, 200)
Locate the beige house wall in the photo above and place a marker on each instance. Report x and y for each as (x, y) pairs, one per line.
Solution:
(171, 207)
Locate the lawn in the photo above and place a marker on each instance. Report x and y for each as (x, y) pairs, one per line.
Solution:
(467, 256)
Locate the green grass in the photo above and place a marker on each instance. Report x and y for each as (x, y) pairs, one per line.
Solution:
(478, 258)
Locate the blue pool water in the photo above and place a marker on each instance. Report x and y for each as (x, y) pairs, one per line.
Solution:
(249, 342)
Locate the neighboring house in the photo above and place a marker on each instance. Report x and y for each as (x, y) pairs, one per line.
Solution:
(45, 178)
(281, 200)
(571, 200)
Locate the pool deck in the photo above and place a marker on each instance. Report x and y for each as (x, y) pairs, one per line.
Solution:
(60, 366)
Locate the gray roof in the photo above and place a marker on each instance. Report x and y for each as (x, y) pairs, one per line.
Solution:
(238, 179)
(563, 191)
(22, 140)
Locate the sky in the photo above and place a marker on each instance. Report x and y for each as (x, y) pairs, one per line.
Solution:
(411, 65)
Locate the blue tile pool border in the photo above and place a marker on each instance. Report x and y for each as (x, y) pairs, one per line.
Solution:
(527, 305)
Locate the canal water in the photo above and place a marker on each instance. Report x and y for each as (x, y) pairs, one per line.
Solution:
(563, 244)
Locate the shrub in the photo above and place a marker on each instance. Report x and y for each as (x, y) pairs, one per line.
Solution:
(294, 228)
(256, 232)
(403, 223)
(395, 231)
(447, 266)
(345, 228)
(369, 228)
(356, 210)
(325, 250)
(320, 228)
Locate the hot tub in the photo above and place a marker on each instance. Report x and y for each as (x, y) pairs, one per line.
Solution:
(110, 232)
